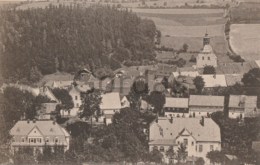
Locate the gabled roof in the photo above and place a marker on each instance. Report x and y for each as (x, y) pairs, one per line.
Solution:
(214, 80)
(176, 102)
(47, 128)
(164, 129)
(205, 100)
(110, 101)
(242, 101)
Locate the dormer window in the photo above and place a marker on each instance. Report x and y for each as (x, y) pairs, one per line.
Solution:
(47, 140)
(56, 140)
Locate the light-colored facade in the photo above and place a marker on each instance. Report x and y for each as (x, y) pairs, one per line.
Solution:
(38, 134)
(199, 137)
(241, 106)
(176, 107)
(110, 104)
(206, 57)
(204, 105)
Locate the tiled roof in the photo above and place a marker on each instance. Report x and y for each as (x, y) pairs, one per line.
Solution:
(232, 79)
(47, 128)
(110, 101)
(165, 130)
(214, 80)
(205, 100)
(176, 102)
(242, 101)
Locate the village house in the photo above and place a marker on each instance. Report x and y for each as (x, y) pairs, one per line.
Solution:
(124, 102)
(204, 105)
(241, 106)
(176, 107)
(110, 104)
(122, 85)
(199, 135)
(46, 111)
(214, 80)
(206, 57)
(38, 134)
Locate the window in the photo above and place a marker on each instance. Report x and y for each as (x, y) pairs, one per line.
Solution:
(211, 148)
(76, 97)
(208, 58)
(56, 140)
(47, 140)
(192, 143)
(22, 139)
(162, 149)
(185, 142)
(200, 148)
(202, 57)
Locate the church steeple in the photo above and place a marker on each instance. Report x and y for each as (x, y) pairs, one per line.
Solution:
(206, 39)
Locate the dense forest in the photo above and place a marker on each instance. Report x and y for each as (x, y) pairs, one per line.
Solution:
(39, 41)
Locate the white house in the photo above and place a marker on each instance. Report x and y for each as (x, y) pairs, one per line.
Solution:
(37, 134)
(176, 107)
(200, 136)
(241, 106)
(204, 105)
(214, 80)
(110, 104)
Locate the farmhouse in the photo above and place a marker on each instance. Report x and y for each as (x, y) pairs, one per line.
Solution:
(199, 135)
(214, 80)
(110, 104)
(204, 105)
(38, 134)
(176, 107)
(206, 56)
(241, 106)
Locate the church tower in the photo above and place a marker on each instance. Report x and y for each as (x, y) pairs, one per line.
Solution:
(206, 39)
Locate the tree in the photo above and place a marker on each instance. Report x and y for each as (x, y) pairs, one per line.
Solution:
(35, 75)
(170, 154)
(65, 98)
(157, 100)
(91, 104)
(182, 153)
(200, 161)
(252, 78)
(199, 83)
(155, 156)
(209, 70)
(138, 90)
(185, 47)
(216, 157)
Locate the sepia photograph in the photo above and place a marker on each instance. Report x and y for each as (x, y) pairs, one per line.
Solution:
(129, 82)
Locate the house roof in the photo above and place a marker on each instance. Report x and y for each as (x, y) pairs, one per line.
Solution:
(110, 101)
(176, 102)
(48, 107)
(242, 101)
(214, 80)
(232, 79)
(166, 142)
(258, 63)
(205, 100)
(47, 128)
(186, 73)
(164, 129)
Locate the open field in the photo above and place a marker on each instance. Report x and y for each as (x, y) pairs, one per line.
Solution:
(245, 40)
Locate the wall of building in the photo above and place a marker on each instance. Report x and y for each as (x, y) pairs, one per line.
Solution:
(206, 59)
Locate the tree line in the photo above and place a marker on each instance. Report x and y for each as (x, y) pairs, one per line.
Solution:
(37, 42)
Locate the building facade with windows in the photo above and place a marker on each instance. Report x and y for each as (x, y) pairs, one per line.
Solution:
(241, 106)
(199, 135)
(176, 107)
(38, 134)
(204, 105)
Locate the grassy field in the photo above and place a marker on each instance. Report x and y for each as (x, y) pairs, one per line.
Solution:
(245, 40)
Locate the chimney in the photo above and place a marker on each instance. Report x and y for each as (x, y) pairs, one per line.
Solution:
(202, 121)
(171, 120)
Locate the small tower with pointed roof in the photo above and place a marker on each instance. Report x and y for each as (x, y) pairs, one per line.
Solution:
(206, 39)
